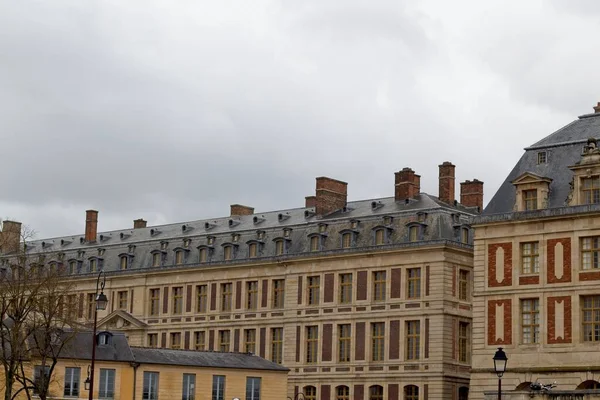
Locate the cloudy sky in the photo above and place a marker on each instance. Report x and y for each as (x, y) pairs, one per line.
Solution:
(173, 110)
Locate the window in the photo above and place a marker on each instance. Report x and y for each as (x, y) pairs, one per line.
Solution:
(153, 340)
(252, 250)
(124, 262)
(380, 237)
(252, 388)
(201, 298)
(93, 264)
(413, 233)
(590, 252)
(463, 342)
(414, 283)
(279, 247)
(150, 390)
(591, 189)
(250, 341)
(463, 284)
(91, 304)
(411, 392)
(342, 393)
(224, 339)
(530, 263)
(203, 254)
(179, 257)
(199, 340)
(312, 344)
(41, 377)
(315, 243)
(464, 235)
(530, 200)
(72, 267)
(176, 340)
(346, 240)
(379, 286)
(413, 339)
(227, 252)
(189, 387)
(122, 300)
(154, 301)
(218, 390)
(345, 288)
(156, 259)
(310, 393)
(72, 306)
(530, 320)
(314, 289)
(377, 341)
(72, 382)
(277, 345)
(542, 157)
(178, 300)
(591, 318)
(252, 295)
(463, 393)
(278, 293)
(104, 338)
(107, 384)
(376, 392)
(226, 291)
(344, 342)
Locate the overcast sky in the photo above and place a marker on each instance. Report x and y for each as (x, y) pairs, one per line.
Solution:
(173, 110)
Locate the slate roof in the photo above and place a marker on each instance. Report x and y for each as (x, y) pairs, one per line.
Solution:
(563, 149)
(80, 347)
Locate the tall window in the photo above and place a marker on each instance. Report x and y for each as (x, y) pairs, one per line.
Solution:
(542, 157)
(252, 295)
(346, 240)
(156, 259)
(411, 392)
(122, 299)
(203, 254)
(414, 283)
(218, 390)
(150, 389)
(72, 267)
(345, 288)
(464, 235)
(91, 304)
(530, 320)
(278, 293)
(178, 300)
(590, 252)
(224, 340)
(250, 340)
(530, 258)
(179, 257)
(252, 388)
(342, 393)
(93, 265)
(124, 262)
(199, 340)
(279, 247)
(315, 243)
(226, 292)
(379, 286)
(463, 284)
(201, 298)
(344, 342)
(463, 393)
(41, 376)
(463, 342)
(176, 340)
(72, 382)
(107, 384)
(189, 387)
(377, 341)
(314, 288)
(310, 393)
(227, 252)
(154, 301)
(376, 392)
(379, 237)
(277, 345)
(252, 250)
(413, 340)
(312, 344)
(153, 340)
(591, 190)
(591, 318)
(413, 233)
(530, 200)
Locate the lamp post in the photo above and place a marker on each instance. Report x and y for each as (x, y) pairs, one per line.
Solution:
(101, 302)
(297, 396)
(500, 361)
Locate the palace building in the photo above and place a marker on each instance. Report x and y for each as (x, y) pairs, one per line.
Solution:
(537, 270)
(363, 300)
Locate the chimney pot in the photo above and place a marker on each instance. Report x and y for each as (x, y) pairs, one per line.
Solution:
(471, 193)
(447, 182)
(597, 108)
(331, 195)
(10, 237)
(310, 201)
(239, 210)
(407, 184)
(139, 223)
(91, 225)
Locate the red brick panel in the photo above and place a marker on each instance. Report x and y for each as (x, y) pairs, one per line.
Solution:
(552, 339)
(393, 391)
(328, 298)
(426, 338)
(361, 285)
(238, 295)
(551, 262)
(262, 342)
(507, 276)
(425, 392)
(507, 304)
(166, 300)
(211, 340)
(163, 340)
(529, 280)
(236, 340)
(327, 333)
(589, 276)
(394, 340)
(359, 392)
(359, 351)
(213, 296)
(396, 283)
(299, 290)
(325, 392)
(188, 299)
(265, 293)
(186, 341)
(298, 344)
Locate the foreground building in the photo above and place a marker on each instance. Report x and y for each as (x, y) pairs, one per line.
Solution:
(361, 300)
(537, 270)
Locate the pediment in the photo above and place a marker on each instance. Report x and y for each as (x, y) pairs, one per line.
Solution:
(530, 177)
(120, 320)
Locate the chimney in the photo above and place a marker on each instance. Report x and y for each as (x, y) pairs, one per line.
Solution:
(446, 189)
(331, 195)
(471, 193)
(239, 210)
(597, 108)
(139, 223)
(407, 184)
(91, 225)
(311, 201)
(10, 237)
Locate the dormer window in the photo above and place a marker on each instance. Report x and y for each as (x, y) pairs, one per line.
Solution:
(235, 237)
(205, 253)
(348, 238)
(252, 250)
(95, 264)
(531, 192)
(542, 157)
(158, 258)
(124, 262)
(279, 247)
(210, 240)
(186, 243)
(229, 251)
(387, 220)
(421, 216)
(179, 257)
(164, 245)
(354, 224)
(101, 252)
(464, 235)
(316, 241)
(590, 189)
(381, 235)
(416, 231)
(104, 338)
(131, 248)
(260, 235)
(322, 228)
(530, 200)
(287, 232)
(74, 266)
(61, 256)
(80, 253)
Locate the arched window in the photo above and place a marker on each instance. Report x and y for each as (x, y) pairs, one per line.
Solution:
(310, 393)
(252, 250)
(411, 392)
(463, 393)
(522, 386)
(376, 392)
(342, 393)
(124, 262)
(279, 247)
(179, 257)
(589, 384)
(346, 240)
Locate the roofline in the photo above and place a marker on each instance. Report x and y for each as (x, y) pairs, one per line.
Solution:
(549, 213)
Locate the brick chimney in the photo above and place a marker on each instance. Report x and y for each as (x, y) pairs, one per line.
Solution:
(446, 189)
(407, 184)
(91, 225)
(311, 201)
(331, 195)
(597, 108)
(238, 210)
(471, 193)
(10, 237)
(139, 223)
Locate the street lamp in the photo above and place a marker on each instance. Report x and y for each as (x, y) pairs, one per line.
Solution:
(297, 396)
(86, 384)
(101, 302)
(500, 361)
